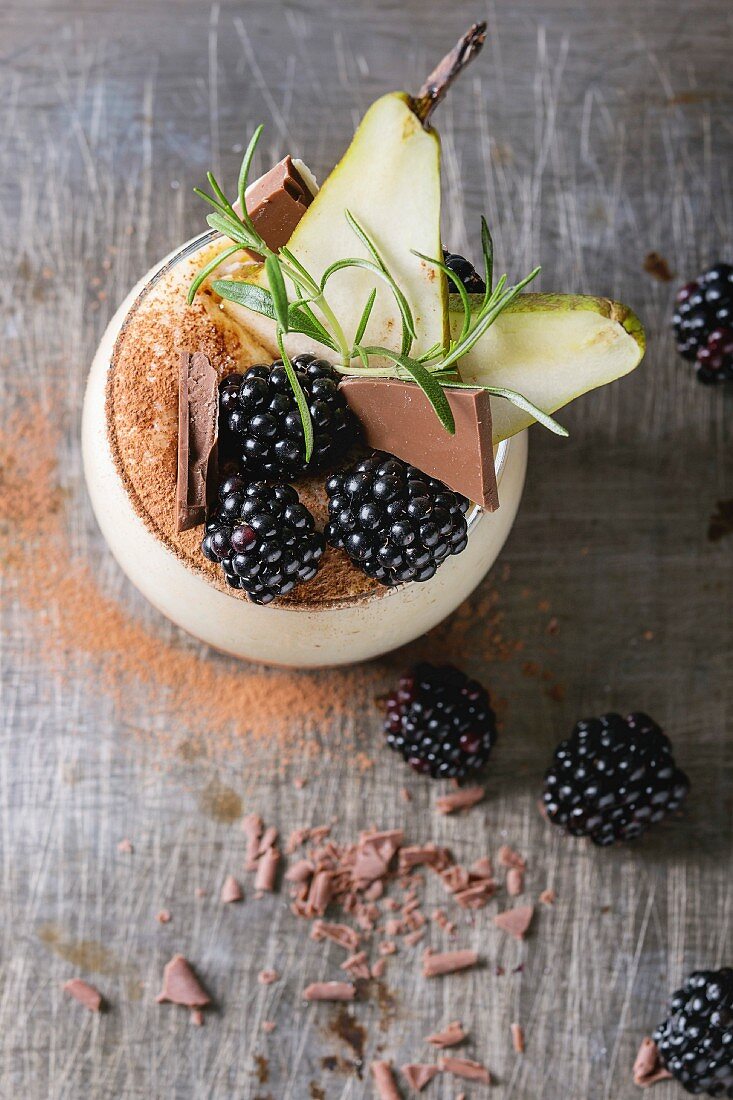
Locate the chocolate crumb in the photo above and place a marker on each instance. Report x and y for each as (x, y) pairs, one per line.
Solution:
(514, 882)
(435, 965)
(181, 986)
(86, 994)
(451, 1035)
(462, 799)
(329, 991)
(384, 1081)
(548, 896)
(164, 916)
(125, 846)
(466, 1068)
(515, 921)
(419, 1074)
(267, 977)
(268, 1026)
(648, 1068)
(197, 1017)
(656, 266)
(231, 891)
(509, 858)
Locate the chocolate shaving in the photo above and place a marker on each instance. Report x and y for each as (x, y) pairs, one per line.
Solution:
(515, 921)
(509, 858)
(450, 1036)
(518, 1038)
(301, 871)
(384, 1081)
(434, 965)
(198, 406)
(197, 1017)
(514, 882)
(267, 870)
(418, 1074)
(648, 1068)
(231, 891)
(357, 966)
(462, 799)
(329, 991)
(374, 853)
(466, 1068)
(252, 826)
(85, 994)
(397, 417)
(548, 896)
(181, 986)
(338, 933)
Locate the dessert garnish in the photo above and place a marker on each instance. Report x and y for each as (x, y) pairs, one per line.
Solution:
(396, 417)
(695, 1042)
(441, 722)
(393, 521)
(419, 1074)
(613, 778)
(515, 921)
(86, 994)
(263, 538)
(384, 1081)
(450, 1036)
(276, 202)
(261, 417)
(317, 314)
(329, 991)
(648, 1069)
(197, 438)
(466, 1068)
(181, 986)
(703, 323)
(437, 964)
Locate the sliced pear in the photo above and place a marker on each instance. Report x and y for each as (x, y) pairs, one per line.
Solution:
(389, 179)
(551, 348)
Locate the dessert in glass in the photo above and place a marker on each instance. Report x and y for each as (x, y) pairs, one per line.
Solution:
(304, 432)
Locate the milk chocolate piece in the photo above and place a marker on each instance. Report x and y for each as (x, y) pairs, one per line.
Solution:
(181, 986)
(276, 202)
(198, 405)
(397, 417)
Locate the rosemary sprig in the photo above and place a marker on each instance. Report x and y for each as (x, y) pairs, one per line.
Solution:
(311, 315)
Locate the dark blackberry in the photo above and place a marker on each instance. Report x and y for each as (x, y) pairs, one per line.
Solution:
(714, 361)
(261, 423)
(440, 721)
(701, 307)
(465, 271)
(695, 1042)
(263, 538)
(613, 778)
(395, 523)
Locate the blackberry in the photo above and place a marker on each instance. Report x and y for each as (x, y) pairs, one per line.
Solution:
(263, 538)
(261, 423)
(465, 271)
(714, 362)
(702, 307)
(695, 1042)
(613, 778)
(440, 721)
(395, 523)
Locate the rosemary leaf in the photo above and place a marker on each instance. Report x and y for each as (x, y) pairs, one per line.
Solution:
(278, 291)
(487, 247)
(244, 175)
(361, 329)
(300, 400)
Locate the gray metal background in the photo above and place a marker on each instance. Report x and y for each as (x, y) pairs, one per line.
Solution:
(590, 134)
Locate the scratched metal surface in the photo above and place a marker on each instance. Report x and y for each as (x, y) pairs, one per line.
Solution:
(590, 134)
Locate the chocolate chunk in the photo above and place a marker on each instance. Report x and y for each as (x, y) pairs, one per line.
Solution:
(85, 994)
(198, 405)
(398, 418)
(276, 202)
(181, 986)
(231, 891)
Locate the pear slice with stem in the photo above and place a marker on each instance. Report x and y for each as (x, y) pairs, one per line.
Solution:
(551, 348)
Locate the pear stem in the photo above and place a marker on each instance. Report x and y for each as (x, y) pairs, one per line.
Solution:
(437, 84)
